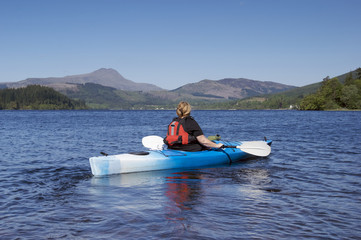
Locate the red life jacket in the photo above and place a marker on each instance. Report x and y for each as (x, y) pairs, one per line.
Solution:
(176, 134)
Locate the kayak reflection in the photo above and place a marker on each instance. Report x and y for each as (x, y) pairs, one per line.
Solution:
(176, 193)
(183, 190)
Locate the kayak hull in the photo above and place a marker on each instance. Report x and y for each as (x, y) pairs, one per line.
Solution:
(154, 160)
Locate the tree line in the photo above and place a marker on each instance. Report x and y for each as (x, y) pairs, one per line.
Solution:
(36, 97)
(336, 95)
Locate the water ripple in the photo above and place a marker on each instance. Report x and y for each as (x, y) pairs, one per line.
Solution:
(308, 188)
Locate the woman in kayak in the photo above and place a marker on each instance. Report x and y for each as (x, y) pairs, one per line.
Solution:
(185, 134)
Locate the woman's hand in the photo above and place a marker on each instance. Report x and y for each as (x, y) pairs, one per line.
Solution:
(219, 145)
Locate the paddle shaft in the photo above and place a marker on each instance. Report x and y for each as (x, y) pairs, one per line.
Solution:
(240, 147)
(229, 146)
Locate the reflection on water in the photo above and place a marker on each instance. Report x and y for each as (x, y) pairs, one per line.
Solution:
(180, 194)
(183, 190)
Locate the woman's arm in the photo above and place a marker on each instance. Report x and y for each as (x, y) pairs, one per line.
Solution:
(208, 143)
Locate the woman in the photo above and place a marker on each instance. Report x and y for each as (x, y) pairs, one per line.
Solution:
(185, 134)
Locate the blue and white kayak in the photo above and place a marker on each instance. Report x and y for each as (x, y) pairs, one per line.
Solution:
(153, 160)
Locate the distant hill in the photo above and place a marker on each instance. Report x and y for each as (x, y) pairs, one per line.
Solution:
(286, 99)
(106, 77)
(312, 88)
(202, 93)
(107, 89)
(97, 96)
(231, 88)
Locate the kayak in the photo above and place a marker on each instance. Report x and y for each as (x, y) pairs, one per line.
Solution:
(154, 159)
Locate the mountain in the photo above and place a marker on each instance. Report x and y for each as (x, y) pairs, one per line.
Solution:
(101, 97)
(106, 77)
(107, 89)
(231, 88)
(199, 94)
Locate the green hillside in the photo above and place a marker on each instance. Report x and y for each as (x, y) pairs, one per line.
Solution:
(336, 94)
(35, 97)
(291, 98)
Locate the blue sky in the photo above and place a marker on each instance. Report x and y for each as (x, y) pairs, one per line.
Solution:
(174, 42)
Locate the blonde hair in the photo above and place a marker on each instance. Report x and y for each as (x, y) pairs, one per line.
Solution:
(184, 109)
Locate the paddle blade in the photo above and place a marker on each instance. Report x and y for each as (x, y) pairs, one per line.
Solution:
(153, 142)
(256, 148)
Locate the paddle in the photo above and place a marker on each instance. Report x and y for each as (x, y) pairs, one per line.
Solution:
(153, 142)
(255, 148)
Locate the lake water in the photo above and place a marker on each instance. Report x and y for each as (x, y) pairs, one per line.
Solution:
(308, 188)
